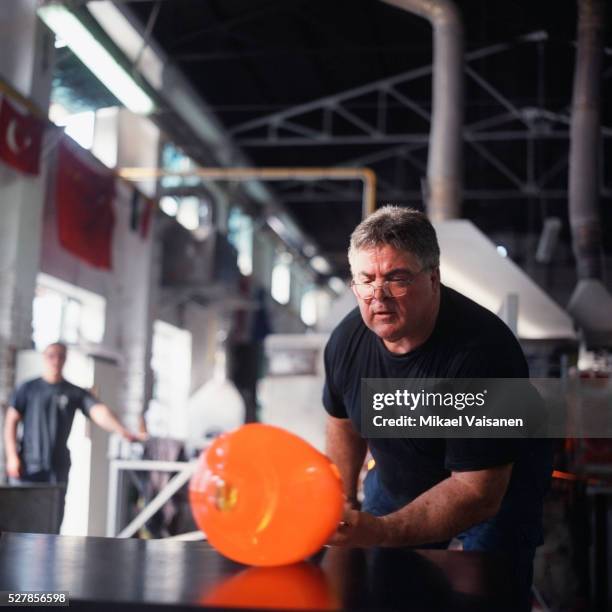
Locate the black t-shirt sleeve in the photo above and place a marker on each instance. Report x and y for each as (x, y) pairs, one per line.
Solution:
(332, 397)
(19, 399)
(87, 400)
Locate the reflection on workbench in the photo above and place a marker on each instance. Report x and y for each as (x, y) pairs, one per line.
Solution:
(100, 572)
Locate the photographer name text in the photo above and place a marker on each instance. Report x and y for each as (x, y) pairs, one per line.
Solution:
(436, 421)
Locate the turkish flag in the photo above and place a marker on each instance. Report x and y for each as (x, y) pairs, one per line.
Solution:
(145, 218)
(20, 137)
(84, 194)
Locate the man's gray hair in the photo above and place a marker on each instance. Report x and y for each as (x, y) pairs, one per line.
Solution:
(405, 229)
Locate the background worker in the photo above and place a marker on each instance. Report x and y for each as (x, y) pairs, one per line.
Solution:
(46, 407)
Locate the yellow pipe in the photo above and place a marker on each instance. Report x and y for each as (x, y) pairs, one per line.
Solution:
(366, 175)
(33, 108)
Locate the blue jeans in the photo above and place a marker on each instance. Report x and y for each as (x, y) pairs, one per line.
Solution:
(379, 502)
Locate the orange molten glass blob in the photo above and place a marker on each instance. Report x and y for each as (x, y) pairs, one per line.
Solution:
(263, 496)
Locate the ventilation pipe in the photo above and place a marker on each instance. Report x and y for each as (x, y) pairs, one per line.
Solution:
(444, 164)
(585, 140)
(591, 302)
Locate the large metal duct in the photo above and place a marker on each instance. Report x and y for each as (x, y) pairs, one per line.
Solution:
(591, 303)
(444, 164)
(585, 137)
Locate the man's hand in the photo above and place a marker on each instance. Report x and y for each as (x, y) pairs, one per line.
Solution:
(104, 417)
(358, 529)
(13, 466)
(131, 436)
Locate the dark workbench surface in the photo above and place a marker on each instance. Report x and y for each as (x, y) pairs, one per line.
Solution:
(108, 573)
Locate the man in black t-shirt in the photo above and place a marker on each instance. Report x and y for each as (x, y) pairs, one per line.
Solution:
(424, 492)
(46, 407)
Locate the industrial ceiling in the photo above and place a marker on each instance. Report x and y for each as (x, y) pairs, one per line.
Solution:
(348, 82)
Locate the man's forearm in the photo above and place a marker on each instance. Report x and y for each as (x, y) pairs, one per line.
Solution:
(347, 449)
(437, 515)
(10, 433)
(440, 513)
(103, 416)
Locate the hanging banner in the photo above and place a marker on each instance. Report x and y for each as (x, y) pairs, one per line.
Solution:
(141, 211)
(146, 217)
(20, 137)
(84, 194)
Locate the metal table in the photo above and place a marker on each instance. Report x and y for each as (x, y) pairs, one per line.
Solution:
(110, 573)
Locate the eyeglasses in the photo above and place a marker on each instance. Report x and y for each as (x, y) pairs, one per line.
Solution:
(390, 288)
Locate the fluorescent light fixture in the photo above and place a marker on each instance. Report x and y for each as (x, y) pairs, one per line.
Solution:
(188, 214)
(308, 308)
(309, 250)
(96, 57)
(129, 40)
(320, 264)
(80, 127)
(285, 258)
(169, 205)
(337, 285)
(281, 283)
(277, 225)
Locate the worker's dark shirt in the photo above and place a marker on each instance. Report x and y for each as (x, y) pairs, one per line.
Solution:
(468, 341)
(47, 411)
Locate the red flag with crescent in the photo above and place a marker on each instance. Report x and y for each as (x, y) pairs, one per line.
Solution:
(20, 137)
(84, 194)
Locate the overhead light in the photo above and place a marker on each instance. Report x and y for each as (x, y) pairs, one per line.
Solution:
(188, 213)
(549, 239)
(502, 250)
(320, 264)
(129, 40)
(169, 205)
(337, 285)
(309, 250)
(277, 225)
(93, 54)
(285, 258)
